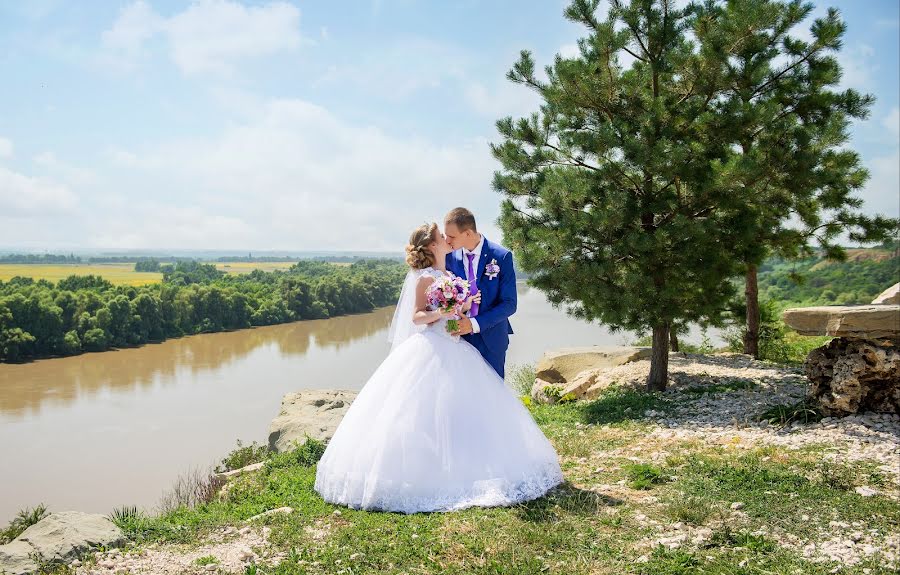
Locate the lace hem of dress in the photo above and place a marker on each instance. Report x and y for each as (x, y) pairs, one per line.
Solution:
(387, 495)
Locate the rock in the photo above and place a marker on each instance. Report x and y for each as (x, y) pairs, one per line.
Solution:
(246, 554)
(737, 505)
(315, 412)
(15, 558)
(241, 471)
(873, 321)
(563, 365)
(285, 510)
(58, 538)
(591, 383)
(866, 491)
(889, 296)
(539, 391)
(852, 375)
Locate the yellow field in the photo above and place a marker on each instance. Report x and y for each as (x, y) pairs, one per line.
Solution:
(247, 267)
(123, 273)
(120, 274)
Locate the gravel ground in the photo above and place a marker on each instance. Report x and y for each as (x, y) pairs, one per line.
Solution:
(232, 548)
(740, 388)
(716, 400)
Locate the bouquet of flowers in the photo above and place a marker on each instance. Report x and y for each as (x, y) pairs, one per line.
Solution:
(449, 294)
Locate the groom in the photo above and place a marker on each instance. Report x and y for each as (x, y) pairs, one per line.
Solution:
(489, 269)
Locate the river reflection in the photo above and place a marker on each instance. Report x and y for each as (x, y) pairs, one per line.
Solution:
(25, 388)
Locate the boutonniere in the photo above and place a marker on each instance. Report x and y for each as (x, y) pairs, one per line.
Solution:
(492, 269)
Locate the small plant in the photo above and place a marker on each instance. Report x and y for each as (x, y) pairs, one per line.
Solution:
(521, 378)
(243, 456)
(206, 560)
(555, 394)
(800, 412)
(644, 476)
(191, 489)
(305, 455)
(733, 385)
(617, 404)
(665, 561)
(24, 519)
(125, 515)
(693, 510)
(728, 538)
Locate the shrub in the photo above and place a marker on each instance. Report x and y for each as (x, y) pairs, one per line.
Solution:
(191, 489)
(243, 456)
(644, 476)
(521, 378)
(24, 519)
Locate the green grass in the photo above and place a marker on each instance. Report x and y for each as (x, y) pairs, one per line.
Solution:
(595, 524)
(243, 456)
(736, 385)
(644, 475)
(800, 412)
(692, 509)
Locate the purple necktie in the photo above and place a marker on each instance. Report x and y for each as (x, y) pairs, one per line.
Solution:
(473, 289)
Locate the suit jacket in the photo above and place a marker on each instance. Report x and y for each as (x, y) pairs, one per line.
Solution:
(498, 295)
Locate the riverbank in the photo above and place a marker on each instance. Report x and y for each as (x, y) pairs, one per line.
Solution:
(692, 480)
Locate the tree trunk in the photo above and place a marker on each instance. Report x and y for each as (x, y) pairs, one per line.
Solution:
(673, 339)
(751, 294)
(659, 358)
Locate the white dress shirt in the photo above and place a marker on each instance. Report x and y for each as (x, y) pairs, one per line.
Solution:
(477, 251)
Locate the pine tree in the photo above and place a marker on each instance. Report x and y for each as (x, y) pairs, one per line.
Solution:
(789, 126)
(611, 190)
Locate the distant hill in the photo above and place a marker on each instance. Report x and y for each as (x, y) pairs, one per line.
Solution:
(816, 281)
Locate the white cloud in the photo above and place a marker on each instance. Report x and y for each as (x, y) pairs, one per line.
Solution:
(210, 36)
(293, 176)
(402, 68)
(6, 148)
(883, 188)
(73, 175)
(23, 196)
(859, 67)
(892, 122)
(124, 41)
(569, 51)
(171, 226)
(503, 99)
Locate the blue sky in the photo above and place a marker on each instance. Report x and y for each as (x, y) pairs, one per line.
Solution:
(226, 124)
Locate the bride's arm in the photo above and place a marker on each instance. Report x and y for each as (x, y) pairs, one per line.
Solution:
(422, 315)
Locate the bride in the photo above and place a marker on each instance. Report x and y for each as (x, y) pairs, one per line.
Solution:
(435, 428)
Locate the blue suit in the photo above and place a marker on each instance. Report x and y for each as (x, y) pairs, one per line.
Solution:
(498, 301)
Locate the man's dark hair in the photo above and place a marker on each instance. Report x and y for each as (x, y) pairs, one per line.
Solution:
(462, 218)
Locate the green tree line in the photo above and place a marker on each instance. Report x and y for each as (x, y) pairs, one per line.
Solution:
(815, 281)
(88, 313)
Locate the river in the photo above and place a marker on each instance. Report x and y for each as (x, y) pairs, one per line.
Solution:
(99, 430)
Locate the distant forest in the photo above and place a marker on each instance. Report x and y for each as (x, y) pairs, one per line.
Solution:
(816, 281)
(88, 313)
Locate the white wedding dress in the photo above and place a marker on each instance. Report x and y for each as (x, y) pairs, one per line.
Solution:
(436, 429)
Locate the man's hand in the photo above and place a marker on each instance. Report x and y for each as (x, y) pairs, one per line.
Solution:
(465, 327)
